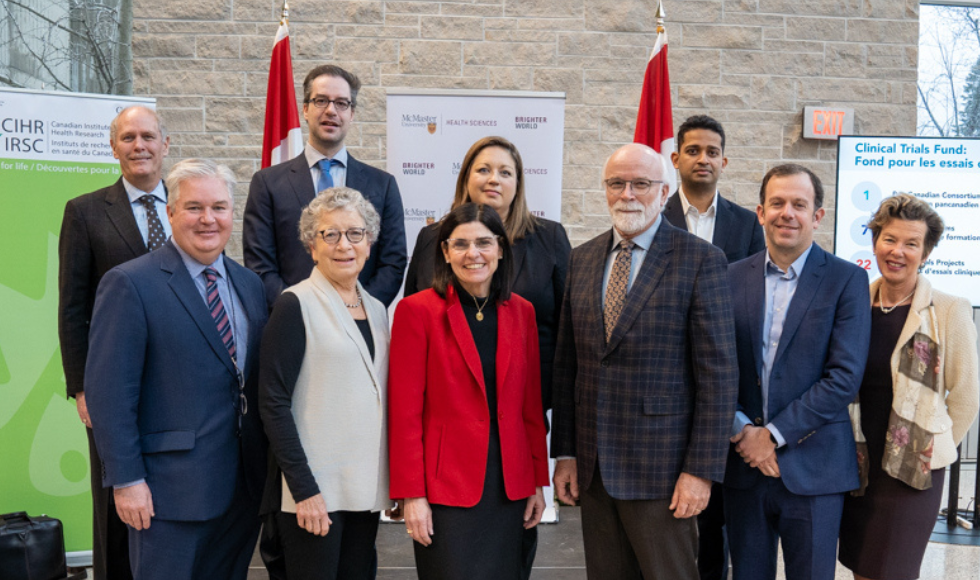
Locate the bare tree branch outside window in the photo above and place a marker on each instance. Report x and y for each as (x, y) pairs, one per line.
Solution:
(73, 45)
(949, 71)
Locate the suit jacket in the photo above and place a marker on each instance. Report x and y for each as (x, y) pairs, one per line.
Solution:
(270, 234)
(98, 233)
(737, 230)
(540, 266)
(161, 387)
(816, 373)
(659, 398)
(439, 423)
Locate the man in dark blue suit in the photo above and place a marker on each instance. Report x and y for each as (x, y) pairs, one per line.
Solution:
(171, 383)
(802, 325)
(278, 194)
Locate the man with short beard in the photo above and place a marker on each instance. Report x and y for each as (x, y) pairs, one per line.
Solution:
(645, 380)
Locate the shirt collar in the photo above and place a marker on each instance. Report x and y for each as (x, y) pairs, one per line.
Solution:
(313, 156)
(134, 193)
(796, 267)
(686, 205)
(643, 240)
(195, 268)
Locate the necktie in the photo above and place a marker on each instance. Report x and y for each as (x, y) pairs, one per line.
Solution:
(326, 180)
(155, 236)
(619, 280)
(218, 313)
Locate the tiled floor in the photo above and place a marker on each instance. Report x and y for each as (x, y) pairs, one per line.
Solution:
(560, 555)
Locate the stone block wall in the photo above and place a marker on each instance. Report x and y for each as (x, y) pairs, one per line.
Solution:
(753, 64)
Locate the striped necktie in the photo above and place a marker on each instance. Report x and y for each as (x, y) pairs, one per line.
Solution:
(218, 312)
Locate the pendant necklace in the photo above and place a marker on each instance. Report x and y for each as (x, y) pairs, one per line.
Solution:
(356, 304)
(479, 308)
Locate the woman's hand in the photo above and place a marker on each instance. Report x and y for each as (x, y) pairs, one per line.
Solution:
(534, 509)
(418, 520)
(311, 515)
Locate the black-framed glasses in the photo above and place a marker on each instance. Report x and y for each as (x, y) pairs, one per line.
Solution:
(617, 185)
(354, 235)
(340, 105)
(462, 245)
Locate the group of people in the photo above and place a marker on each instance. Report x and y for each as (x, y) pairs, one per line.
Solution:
(719, 382)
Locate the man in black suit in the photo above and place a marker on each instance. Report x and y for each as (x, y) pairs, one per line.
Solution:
(278, 194)
(698, 208)
(101, 230)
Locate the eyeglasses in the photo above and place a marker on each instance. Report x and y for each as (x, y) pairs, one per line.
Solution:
(354, 235)
(640, 186)
(340, 105)
(462, 245)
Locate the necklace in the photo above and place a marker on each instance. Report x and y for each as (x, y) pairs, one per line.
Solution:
(881, 301)
(356, 304)
(479, 309)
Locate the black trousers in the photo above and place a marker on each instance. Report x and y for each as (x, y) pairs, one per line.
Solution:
(347, 552)
(713, 538)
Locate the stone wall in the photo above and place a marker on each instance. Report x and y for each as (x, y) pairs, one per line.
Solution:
(753, 64)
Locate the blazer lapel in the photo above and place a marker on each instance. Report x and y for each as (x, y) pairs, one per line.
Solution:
(350, 326)
(518, 251)
(755, 305)
(723, 225)
(810, 280)
(464, 338)
(506, 332)
(185, 290)
(674, 211)
(654, 265)
(301, 180)
(252, 313)
(120, 212)
(595, 262)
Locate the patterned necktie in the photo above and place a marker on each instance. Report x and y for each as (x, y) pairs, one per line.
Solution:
(155, 236)
(619, 280)
(218, 313)
(326, 180)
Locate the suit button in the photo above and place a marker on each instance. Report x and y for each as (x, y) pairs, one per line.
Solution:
(757, 421)
(605, 363)
(758, 382)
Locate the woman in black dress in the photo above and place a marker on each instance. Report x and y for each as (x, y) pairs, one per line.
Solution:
(918, 398)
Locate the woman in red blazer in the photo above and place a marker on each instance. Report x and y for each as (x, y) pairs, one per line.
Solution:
(466, 428)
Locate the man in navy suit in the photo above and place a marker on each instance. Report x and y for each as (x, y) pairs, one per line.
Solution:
(170, 381)
(278, 194)
(645, 381)
(803, 326)
(697, 207)
(101, 230)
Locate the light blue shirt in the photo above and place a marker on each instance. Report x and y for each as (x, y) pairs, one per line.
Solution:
(643, 242)
(337, 172)
(780, 289)
(139, 210)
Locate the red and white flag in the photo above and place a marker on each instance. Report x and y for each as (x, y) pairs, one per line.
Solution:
(654, 120)
(283, 138)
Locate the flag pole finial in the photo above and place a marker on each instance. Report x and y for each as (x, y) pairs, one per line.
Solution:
(284, 18)
(660, 17)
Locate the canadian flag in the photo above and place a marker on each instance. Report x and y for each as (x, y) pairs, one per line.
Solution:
(654, 120)
(283, 138)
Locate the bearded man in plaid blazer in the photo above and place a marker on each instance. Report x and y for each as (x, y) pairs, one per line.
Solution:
(645, 380)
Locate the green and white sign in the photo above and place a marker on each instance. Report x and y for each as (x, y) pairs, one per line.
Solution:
(53, 147)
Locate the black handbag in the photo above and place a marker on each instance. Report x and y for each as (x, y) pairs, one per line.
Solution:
(33, 548)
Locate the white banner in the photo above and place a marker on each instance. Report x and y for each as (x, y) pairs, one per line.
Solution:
(429, 133)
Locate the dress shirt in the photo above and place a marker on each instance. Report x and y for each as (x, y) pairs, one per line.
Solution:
(780, 289)
(643, 242)
(337, 172)
(139, 210)
(700, 224)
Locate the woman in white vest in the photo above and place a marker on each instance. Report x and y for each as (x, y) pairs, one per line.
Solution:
(322, 396)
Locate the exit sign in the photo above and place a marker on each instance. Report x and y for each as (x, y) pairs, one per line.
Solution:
(827, 122)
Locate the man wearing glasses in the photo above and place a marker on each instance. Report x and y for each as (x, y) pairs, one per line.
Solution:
(278, 194)
(645, 380)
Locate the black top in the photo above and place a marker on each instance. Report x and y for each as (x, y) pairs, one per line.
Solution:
(539, 270)
(280, 361)
(877, 390)
(485, 336)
